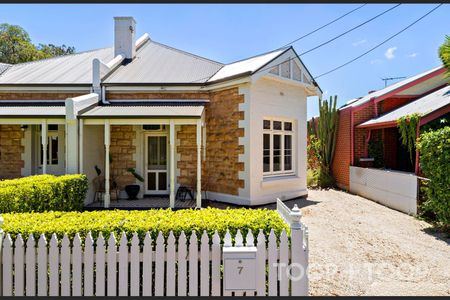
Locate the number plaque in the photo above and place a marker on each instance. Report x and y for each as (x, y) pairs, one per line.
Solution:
(239, 268)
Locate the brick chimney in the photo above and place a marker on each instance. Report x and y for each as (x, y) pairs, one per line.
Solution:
(124, 37)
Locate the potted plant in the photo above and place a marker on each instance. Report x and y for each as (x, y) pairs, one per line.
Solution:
(132, 190)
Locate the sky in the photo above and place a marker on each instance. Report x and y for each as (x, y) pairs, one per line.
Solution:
(230, 32)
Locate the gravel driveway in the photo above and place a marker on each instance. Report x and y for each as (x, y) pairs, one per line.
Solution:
(359, 247)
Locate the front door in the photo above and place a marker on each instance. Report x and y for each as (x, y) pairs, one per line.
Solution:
(156, 164)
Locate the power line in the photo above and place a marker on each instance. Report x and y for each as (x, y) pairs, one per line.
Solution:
(329, 41)
(323, 26)
(382, 43)
(350, 30)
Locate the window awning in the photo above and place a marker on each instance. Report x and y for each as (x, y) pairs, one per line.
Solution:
(424, 106)
(26, 111)
(144, 111)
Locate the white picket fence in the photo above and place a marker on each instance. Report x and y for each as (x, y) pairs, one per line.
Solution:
(161, 268)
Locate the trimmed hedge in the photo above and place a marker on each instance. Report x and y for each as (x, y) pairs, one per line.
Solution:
(43, 193)
(434, 149)
(164, 220)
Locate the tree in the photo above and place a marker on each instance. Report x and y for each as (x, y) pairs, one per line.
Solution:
(50, 50)
(444, 54)
(16, 46)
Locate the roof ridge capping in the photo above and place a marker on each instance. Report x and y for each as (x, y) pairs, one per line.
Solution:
(188, 53)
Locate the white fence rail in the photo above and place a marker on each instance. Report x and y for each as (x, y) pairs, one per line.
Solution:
(190, 265)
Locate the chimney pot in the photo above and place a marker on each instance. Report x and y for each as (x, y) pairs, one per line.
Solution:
(124, 37)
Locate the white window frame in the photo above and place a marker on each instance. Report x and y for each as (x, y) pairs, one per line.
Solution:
(282, 133)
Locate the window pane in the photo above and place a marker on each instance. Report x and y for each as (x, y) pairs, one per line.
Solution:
(276, 152)
(54, 149)
(287, 152)
(152, 152)
(288, 126)
(151, 181)
(151, 127)
(163, 151)
(162, 181)
(277, 125)
(266, 124)
(52, 127)
(266, 153)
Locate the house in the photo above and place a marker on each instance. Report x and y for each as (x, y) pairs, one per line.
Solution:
(374, 118)
(236, 130)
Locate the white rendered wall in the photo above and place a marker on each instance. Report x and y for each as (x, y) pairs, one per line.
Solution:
(395, 189)
(276, 99)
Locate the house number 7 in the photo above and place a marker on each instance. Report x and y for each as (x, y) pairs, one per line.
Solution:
(240, 268)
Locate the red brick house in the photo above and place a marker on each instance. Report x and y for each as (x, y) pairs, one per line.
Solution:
(374, 118)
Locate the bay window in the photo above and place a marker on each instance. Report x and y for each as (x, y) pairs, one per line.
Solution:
(278, 147)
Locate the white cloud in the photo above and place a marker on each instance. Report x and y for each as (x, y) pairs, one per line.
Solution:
(357, 43)
(413, 55)
(390, 53)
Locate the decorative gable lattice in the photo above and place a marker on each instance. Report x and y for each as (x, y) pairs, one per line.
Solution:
(290, 70)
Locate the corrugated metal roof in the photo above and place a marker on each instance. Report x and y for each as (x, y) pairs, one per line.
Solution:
(390, 88)
(32, 111)
(422, 106)
(67, 69)
(247, 65)
(150, 111)
(158, 63)
(4, 67)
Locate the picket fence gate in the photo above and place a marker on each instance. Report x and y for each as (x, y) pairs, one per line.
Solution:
(160, 268)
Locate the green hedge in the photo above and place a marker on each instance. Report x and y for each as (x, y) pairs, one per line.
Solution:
(164, 220)
(43, 193)
(434, 148)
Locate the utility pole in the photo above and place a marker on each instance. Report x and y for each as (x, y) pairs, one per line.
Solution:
(391, 78)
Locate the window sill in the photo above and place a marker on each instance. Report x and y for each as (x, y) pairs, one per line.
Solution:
(274, 180)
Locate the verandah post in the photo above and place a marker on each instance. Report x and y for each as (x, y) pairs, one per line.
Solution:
(107, 144)
(199, 164)
(172, 164)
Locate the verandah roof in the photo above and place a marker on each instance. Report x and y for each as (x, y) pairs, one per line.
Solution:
(42, 111)
(141, 111)
(423, 106)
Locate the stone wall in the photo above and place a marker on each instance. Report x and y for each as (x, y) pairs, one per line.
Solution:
(222, 142)
(11, 151)
(122, 150)
(220, 170)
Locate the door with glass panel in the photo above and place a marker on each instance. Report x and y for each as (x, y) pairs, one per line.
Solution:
(156, 164)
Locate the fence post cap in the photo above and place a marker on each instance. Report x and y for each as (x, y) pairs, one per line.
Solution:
(295, 215)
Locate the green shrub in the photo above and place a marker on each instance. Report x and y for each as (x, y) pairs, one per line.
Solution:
(434, 148)
(43, 193)
(164, 220)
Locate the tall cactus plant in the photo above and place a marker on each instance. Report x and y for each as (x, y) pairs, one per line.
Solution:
(325, 131)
